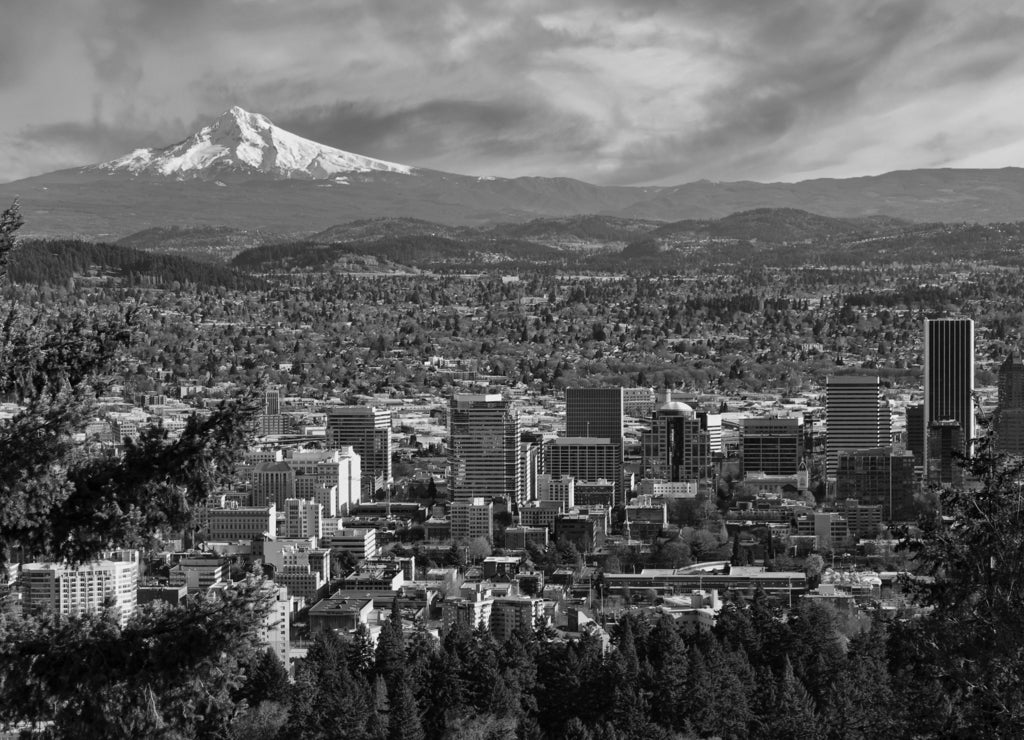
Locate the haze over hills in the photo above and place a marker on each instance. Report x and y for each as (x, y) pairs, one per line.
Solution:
(242, 172)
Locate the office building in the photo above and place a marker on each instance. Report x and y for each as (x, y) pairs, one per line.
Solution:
(472, 518)
(303, 518)
(638, 402)
(945, 445)
(330, 477)
(509, 613)
(484, 448)
(915, 433)
(233, 522)
(531, 456)
(86, 588)
(271, 420)
(367, 431)
(678, 445)
(1009, 417)
(948, 381)
(561, 489)
(857, 417)
(198, 572)
(540, 514)
(773, 446)
(517, 538)
(878, 477)
(360, 543)
(272, 483)
(587, 459)
(594, 412)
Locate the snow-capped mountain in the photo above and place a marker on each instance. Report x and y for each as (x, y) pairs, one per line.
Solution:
(248, 143)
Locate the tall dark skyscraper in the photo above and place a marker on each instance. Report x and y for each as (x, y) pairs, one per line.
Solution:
(857, 417)
(1009, 417)
(594, 412)
(948, 378)
(368, 431)
(678, 446)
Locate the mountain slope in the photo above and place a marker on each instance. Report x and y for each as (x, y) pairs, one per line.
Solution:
(240, 142)
(244, 173)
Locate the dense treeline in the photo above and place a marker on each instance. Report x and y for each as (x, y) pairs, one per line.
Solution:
(415, 251)
(57, 261)
(766, 670)
(763, 238)
(760, 673)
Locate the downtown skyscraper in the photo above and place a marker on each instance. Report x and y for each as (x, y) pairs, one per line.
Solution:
(367, 431)
(948, 381)
(483, 448)
(857, 417)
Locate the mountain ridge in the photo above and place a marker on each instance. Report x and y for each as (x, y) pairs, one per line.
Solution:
(240, 142)
(243, 172)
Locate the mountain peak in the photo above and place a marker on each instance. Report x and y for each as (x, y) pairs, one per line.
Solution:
(242, 142)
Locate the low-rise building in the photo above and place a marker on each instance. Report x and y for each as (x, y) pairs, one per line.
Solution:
(235, 522)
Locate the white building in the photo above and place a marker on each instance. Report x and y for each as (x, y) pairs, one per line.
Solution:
(361, 543)
(561, 489)
(79, 590)
(303, 518)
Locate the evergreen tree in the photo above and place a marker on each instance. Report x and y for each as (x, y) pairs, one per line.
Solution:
(971, 643)
(793, 714)
(267, 680)
(403, 714)
(168, 671)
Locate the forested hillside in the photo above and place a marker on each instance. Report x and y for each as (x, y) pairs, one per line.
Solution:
(56, 261)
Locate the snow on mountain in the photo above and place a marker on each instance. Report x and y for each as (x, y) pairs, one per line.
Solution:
(247, 142)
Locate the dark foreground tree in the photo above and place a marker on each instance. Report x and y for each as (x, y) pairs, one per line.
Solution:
(971, 646)
(168, 672)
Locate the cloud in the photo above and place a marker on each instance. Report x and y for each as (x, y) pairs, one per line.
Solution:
(603, 90)
(478, 134)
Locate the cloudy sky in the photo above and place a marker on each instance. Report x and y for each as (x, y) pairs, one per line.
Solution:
(644, 91)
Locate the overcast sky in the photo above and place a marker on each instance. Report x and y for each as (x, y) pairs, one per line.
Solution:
(644, 91)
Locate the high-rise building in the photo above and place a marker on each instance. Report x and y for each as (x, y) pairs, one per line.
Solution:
(272, 402)
(945, 443)
(948, 379)
(483, 448)
(472, 518)
(589, 459)
(878, 477)
(915, 433)
(678, 445)
(272, 483)
(1009, 417)
(597, 413)
(593, 412)
(303, 518)
(773, 446)
(857, 417)
(330, 477)
(89, 587)
(368, 431)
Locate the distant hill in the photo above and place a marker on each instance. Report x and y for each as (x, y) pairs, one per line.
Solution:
(212, 242)
(380, 228)
(54, 262)
(771, 225)
(760, 237)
